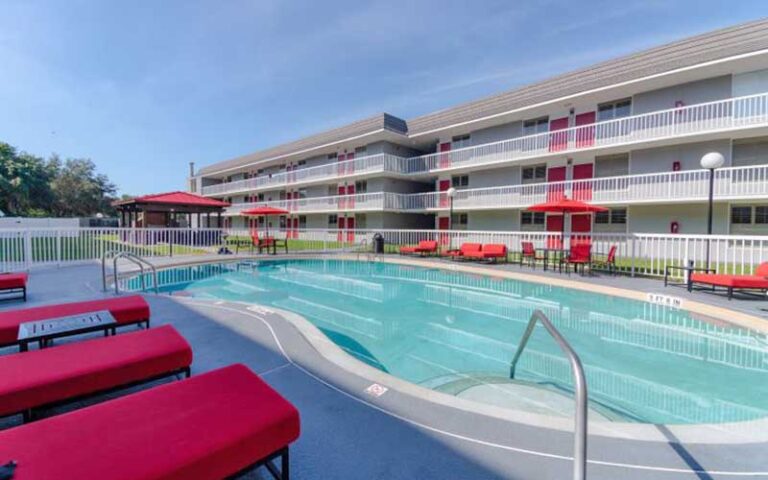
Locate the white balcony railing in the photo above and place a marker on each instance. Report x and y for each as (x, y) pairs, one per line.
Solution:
(730, 184)
(735, 113)
(693, 185)
(360, 166)
(362, 202)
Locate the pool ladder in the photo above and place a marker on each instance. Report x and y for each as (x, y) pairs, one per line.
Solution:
(362, 247)
(579, 383)
(116, 255)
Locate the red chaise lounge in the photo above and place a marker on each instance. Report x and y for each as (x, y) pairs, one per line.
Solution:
(757, 281)
(466, 250)
(490, 251)
(14, 283)
(43, 378)
(210, 426)
(425, 247)
(126, 310)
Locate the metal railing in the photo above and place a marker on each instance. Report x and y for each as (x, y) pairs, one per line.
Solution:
(116, 255)
(579, 386)
(723, 115)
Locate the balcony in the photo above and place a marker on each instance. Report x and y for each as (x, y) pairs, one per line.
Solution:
(733, 183)
(371, 164)
(363, 202)
(691, 121)
(688, 186)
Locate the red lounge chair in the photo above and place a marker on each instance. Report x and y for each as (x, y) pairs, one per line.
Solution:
(54, 375)
(210, 426)
(491, 251)
(607, 263)
(425, 247)
(580, 254)
(466, 250)
(757, 281)
(529, 254)
(14, 283)
(126, 310)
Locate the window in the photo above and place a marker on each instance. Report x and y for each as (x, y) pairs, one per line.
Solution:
(302, 193)
(360, 151)
(615, 109)
(532, 218)
(459, 220)
(332, 156)
(538, 125)
(361, 186)
(615, 216)
(460, 181)
(741, 215)
(333, 220)
(302, 221)
(301, 163)
(761, 215)
(460, 141)
(534, 174)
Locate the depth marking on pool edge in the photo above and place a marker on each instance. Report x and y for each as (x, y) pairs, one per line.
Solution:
(666, 300)
(686, 471)
(376, 390)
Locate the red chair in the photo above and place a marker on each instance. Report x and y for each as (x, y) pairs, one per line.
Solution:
(14, 283)
(607, 263)
(126, 310)
(42, 378)
(579, 255)
(425, 247)
(744, 283)
(491, 251)
(210, 426)
(467, 250)
(529, 254)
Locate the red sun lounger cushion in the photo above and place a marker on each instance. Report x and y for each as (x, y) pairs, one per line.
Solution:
(730, 281)
(41, 377)
(126, 310)
(207, 427)
(13, 280)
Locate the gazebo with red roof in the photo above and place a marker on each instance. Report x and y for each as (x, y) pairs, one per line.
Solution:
(170, 210)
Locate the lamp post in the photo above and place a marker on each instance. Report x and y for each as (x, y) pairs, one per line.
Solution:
(451, 192)
(711, 161)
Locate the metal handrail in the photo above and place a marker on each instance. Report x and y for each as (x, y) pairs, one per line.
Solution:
(133, 258)
(579, 383)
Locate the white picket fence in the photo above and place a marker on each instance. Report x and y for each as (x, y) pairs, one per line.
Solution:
(637, 254)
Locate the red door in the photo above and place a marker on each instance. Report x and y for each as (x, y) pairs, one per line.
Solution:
(558, 140)
(557, 191)
(581, 226)
(443, 223)
(296, 227)
(585, 136)
(583, 190)
(350, 164)
(555, 224)
(342, 225)
(351, 229)
(443, 187)
(445, 158)
(342, 166)
(351, 198)
(342, 201)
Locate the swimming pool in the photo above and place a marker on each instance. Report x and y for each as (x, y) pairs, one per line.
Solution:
(456, 333)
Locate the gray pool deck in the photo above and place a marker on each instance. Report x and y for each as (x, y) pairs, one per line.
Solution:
(349, 434)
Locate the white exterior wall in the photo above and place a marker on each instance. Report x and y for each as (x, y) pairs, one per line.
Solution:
(656, 160)
(709, 90)
(498, 220)
(692, 218)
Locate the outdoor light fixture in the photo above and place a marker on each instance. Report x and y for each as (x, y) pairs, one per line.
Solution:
(711, 161)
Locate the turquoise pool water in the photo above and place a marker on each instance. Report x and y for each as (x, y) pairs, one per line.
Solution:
(457, 333)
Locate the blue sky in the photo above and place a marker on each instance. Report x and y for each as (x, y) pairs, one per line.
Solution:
(143, 87)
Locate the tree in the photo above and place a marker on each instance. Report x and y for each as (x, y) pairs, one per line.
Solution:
(79, 190)
(24, 182)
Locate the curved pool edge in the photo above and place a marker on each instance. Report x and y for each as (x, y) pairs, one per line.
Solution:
(754, 431)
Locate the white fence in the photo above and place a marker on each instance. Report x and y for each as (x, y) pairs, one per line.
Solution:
(637, 254)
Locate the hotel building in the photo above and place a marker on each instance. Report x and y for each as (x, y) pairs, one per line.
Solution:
(627, 134)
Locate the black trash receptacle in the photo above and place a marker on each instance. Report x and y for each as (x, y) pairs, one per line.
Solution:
(378, 243)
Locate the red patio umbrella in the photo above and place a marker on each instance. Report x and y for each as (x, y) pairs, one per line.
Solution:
(565, 206)
(264, 212)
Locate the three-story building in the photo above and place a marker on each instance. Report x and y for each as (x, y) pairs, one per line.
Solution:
(628, 134)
